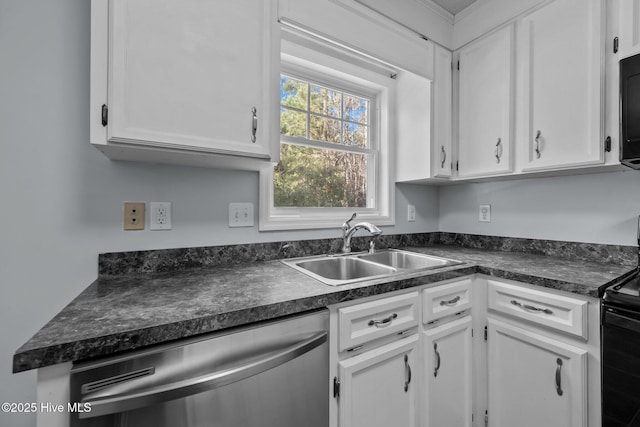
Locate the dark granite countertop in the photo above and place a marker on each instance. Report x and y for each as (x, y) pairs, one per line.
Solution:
(122, 313)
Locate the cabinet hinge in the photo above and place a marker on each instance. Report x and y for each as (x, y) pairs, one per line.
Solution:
(105, 114)
(336, 387)
(616, 44)
(486, 335)
(607, 144)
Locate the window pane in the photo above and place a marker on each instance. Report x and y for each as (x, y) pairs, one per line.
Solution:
(325, 101)
(324, 129)
(356, 109)
(311, 177)
(293, 93)
(293, 123)
(355, 135)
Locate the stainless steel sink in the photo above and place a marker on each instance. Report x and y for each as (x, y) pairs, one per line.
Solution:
(342, 269)
(407, 260)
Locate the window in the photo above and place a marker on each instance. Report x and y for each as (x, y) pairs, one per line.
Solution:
(326, 151)
(334, 141)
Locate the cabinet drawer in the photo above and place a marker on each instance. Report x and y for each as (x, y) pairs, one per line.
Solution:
(365, 322)
(444, 300)
(558, 312)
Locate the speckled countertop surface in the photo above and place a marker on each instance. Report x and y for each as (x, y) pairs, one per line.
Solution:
(122, 313)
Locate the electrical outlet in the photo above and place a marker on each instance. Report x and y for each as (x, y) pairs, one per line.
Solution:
(240, 214)
(133, 218)
(160, 216)
(411, 213)
(485, 213)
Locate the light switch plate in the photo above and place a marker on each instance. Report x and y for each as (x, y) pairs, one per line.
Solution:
(485, 213)
(240, 214)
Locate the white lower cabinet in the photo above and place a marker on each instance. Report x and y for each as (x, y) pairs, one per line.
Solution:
(447, 374)
(510, 354)
(534, 380)
(377, 388)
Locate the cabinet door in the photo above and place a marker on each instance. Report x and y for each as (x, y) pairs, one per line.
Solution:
(191, 74)
(534, 380)
(448, 375)
(442, 113)
(562, 74)
(485, 128)
(377, 388)
(629, 37)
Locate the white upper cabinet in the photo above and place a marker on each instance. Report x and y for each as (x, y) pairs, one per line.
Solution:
(486, 81)
(629, 34)
(423, 122)
(185, 81)
(442, 113)
(560, 92)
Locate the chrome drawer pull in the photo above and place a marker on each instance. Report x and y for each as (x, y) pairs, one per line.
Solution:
(498, 150)
(558, 377)
(407, 368)
(531, 308)
(443, 156)
(384, 322)
(435, 349)
(451, 302)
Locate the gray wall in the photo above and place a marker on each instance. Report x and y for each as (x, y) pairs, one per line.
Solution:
(597, 208)
(62, 200)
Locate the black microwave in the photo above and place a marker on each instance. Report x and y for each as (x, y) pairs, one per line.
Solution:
(630, 111)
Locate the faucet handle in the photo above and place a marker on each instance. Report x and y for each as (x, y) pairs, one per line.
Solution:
(346, 225)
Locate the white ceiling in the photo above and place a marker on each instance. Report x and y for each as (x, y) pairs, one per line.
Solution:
(453, 6)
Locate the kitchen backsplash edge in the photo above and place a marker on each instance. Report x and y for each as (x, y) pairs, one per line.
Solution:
(164, 260)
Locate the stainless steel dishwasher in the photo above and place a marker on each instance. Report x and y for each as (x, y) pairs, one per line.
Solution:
(272, 374)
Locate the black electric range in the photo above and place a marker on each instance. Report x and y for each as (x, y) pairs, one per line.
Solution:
(621, 353)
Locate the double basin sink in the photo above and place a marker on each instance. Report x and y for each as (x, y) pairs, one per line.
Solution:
(337, 270)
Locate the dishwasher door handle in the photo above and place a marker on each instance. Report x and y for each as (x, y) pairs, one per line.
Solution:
(102, 403)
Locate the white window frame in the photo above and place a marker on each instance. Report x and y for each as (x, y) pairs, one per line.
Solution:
(352, 74)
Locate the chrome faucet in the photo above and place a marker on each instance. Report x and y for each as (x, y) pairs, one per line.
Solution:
(348, 231)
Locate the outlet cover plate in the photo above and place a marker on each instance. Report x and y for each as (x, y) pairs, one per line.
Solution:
(133, 216)
(240, 214)
(484, 213)
(411, 213)
(160, 216)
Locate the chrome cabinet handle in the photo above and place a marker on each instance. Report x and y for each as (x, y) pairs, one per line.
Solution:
(443, 156)
(254, 123)
(437, 368)
(384, 322)
(559, 377)
(407, 369)
(531, 308)
(451, 302)
(538, 135)
(498, 150)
